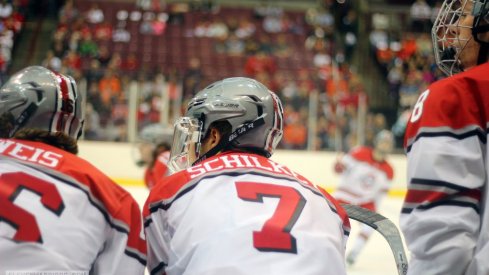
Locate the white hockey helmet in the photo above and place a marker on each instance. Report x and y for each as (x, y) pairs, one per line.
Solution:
(151, 138)
(384, 141)
(254, 113)
(38, 98)
(156, 133)
(447, 42)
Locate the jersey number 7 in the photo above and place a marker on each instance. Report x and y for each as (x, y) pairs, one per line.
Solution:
(11, 184)
(275, 234)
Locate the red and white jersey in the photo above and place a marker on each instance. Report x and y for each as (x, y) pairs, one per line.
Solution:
(238, 213)
(60, 213)
(159, 170)
(363, 181)
(445, 213)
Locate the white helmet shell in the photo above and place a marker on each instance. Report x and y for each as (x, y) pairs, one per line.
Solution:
(254, 112)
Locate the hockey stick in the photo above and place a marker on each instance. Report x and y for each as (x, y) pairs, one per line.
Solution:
(385, 227)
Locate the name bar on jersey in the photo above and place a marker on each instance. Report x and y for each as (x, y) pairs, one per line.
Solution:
(233, 161)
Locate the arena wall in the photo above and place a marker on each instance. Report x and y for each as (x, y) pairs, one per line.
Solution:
(117, 160)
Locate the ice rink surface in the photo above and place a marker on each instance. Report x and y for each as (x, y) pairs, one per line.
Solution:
(375, 259)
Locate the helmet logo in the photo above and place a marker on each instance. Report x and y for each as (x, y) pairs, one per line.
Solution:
(225, 105)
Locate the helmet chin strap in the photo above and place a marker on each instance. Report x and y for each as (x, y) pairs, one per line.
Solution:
(227, 139)
(483, 53)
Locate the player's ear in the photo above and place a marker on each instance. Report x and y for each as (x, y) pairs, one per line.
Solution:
(214, 137)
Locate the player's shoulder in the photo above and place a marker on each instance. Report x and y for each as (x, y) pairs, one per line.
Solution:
(454, 104)
(361, 153)
(75, 169)
(169, 186)
(166, 189)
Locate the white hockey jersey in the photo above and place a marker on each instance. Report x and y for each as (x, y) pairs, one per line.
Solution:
(363, 180)
(239, 213)
(59, 213)
(445, 213)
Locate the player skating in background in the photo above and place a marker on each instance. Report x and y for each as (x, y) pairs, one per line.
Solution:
(232, 210)
(365, 178)
(154, 150)
(445, 216)
(57, 211)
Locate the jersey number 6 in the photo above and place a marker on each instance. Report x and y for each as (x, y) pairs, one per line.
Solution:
(11, 184)
(275, 234)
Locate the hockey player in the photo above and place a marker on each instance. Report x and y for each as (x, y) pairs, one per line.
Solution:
(445, 216)
(365, 178)
(58, 213)
(154, 151)
(232, 210)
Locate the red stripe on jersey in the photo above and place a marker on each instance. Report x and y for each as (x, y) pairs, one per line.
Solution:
(165, 189)
(426, 196)
(452, 103)
(341, 212)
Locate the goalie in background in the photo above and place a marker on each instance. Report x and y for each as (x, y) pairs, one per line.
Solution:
(154, 152)
(365, 178)
(445, 216)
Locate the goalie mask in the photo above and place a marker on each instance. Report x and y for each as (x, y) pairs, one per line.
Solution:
(38, 98)
(254, 113)
(453, 29)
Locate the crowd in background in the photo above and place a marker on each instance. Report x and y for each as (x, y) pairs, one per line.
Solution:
(406, 58)
(296, 54)
(12, 17)
(316, 62)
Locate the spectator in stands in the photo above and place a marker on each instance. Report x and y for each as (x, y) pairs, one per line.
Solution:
(420, 16)
(110, 86)
(245, 28)
(95, 14)
(394, 78)
(6, 9)
(295, 131)
(121, 35)
(234, 46)
(74, 41)
(104, 56)
(72, 61)
(94, 72)
(322, 58)
(103, 31)
(159, 24)
(260, 62)
(281, 47)
(272, 23)
(115, 63)
(316, 40)
(51, 61)
(217, 29)
(88, 47)
(68, 12)
(322, 18)
(349, 30)
(130, 65)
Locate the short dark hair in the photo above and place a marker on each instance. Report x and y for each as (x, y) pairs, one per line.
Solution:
(57, 139)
